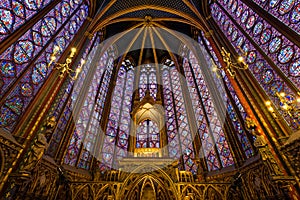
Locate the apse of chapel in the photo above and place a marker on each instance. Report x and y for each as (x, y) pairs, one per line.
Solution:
(128, 99)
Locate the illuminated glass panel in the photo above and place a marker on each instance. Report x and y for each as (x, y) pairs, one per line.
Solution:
(33, 42)
(114, 120)
(15, 61)
(278, 48)
(171, 125)
(287, 11)
(125, 118)
(148, 81)
(180, 141)
(15, 13)
(267, 77)
(143, 82)
(87, 124)
(202, 125)
(236, 122)
(115, 141)
(72, 92)
(142, 134)
(213, 120)
(147, 134)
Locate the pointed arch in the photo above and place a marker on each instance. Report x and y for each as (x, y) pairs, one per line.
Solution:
(212, 194)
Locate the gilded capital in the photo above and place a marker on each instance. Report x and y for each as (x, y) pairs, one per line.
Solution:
(209, 33)
(89, 35)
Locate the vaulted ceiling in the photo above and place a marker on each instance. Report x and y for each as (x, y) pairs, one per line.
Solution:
(148, 30)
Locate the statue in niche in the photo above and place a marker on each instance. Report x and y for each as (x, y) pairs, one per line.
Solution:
(39, 145)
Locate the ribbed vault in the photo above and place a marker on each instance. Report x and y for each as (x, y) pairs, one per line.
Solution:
(179, 11)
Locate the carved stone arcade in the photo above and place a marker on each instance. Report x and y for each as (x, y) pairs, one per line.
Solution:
(138, 178)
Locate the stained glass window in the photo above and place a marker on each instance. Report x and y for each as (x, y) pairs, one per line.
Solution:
(24, 64)
(61, 109)
(287, 11)
(148, 80)
(147, 134)
(282, 61)
(15, 13)
(87, 126)
(229, 105)
(115, 142)
(212, 136)
(180, 139)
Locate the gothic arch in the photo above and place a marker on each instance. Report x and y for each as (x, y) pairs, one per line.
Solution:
(156, 174)
(81, 192)
(191, 189)
(96, 191)
(260, 184)
(212, 194)
(157, 184)
(105, 193)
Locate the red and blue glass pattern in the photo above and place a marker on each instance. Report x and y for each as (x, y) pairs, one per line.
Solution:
(147, 134)
(28, 47)
(143, 82)
(142, 132)
(278, 48)
(180, 140)
(125, 119)
(266, 76)
(111, 133)
(213, 120)
(15, 13)
(115, 141)
(236, 122)
(64, 107)
(28, 62)
(201, 122)
(287, 11)
(171, 125)
(148, 81)
(87, 124)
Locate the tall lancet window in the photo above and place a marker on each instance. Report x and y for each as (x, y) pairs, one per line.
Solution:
(272, 55)
(64, 106)
(180, 140)
(148, 81)
(147, 134)
(81, 148)
(16, 13)
(228, 103)
(24, 64)
(209, 124)
(115, 140)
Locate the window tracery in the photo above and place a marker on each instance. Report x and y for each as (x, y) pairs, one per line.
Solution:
(147, 134)
(24, 64)
(115, 142)
(148, 81)
(263, 43)
(87, 127)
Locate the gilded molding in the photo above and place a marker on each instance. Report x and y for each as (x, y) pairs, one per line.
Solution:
(209, 33)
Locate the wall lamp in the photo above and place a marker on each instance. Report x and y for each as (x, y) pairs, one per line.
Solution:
(66, 67)
(289, 105)
(230, 65)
